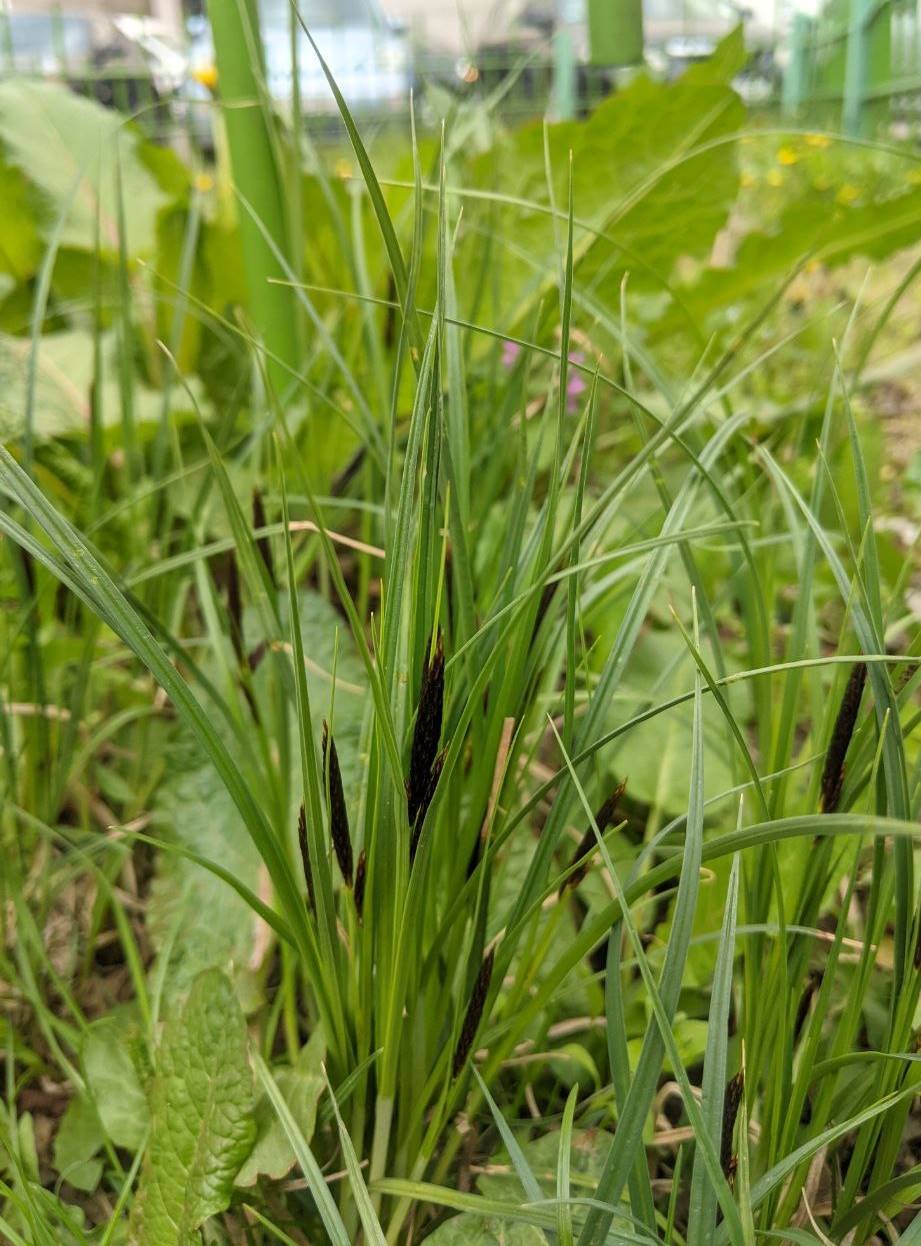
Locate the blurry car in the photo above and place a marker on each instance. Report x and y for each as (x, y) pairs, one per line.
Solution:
(97, 55)
(369, 56)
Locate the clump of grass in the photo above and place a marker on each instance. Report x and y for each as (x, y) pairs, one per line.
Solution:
(530, 593)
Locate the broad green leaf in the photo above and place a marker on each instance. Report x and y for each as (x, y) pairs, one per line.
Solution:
(64, 378)
(589, 1148)
(113, 1081)
(192, 914)
(470, 1230)
(20, 243)
(653, 756)
(77, 1142)
(832, 232)
(300, 1086)
(633, 178)
(201, 1117)
(53, 136)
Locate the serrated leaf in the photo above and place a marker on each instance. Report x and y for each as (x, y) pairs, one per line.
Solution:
(201, 1117)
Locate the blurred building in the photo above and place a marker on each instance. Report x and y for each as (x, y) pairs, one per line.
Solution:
(462, 25)
(168, 12)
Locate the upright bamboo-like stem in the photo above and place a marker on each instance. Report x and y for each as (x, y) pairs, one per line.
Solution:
(259, 180)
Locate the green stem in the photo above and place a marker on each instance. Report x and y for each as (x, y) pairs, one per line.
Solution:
(259, 178)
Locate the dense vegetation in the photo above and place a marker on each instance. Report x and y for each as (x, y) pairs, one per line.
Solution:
(459, 680)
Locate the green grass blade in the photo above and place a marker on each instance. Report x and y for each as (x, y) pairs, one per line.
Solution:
(329, 1213)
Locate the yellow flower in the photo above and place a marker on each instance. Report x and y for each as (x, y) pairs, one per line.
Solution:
(847, 194)
(204, 182)
(775, 178)
(343, 168)
(787, 155)
(818, 140)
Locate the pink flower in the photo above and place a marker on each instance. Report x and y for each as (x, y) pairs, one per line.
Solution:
(510, 353)
(575, 383)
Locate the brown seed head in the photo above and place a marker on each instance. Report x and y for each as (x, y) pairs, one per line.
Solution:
(427, 735)
(474, 1014)
(256, 656)
(833, 770)
(338, 814)
(358, 891)
(813, 982)
(434, 776)
(731, 1102)
(603, 819)
(235, 607)
(546, 601)
(305, 856)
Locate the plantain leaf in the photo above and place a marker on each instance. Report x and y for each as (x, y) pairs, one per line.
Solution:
(201, 1117)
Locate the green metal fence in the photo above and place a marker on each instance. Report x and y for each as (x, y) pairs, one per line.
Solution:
(857, 65)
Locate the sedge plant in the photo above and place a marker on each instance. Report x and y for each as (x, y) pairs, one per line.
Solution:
(409, 681)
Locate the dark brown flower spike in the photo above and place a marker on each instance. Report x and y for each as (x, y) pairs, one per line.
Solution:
(732, 1101)
(813, 982)
(833, 771)
(263, 543)
(434, 776)
(603, 819)
(474, 1014)
(235, 607)
(338, 814)
(305, 856)
(256, 656)
(27, 562)
(546, 601)
(358, 891)
(426, 736)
